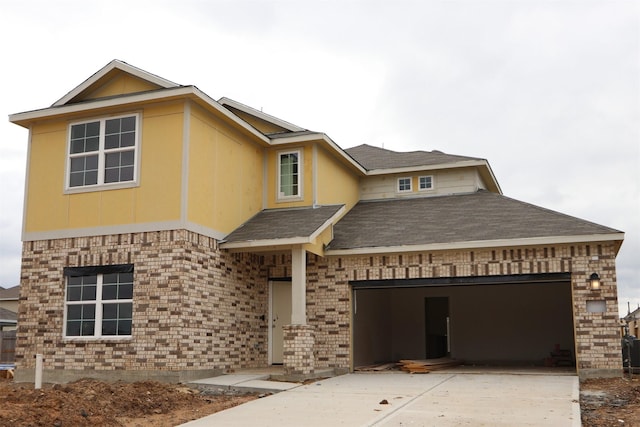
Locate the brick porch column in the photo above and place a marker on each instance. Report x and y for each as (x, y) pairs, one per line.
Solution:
(298, 359)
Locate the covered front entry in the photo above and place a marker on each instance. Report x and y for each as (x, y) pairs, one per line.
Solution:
(501, 320)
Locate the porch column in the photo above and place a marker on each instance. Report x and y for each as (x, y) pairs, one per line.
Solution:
(299, 338)
(298, 286)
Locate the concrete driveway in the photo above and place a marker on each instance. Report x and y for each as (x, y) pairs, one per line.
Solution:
(436, 399)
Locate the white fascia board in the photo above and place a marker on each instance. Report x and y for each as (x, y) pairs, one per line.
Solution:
(284, 242)
(315, 137)
(266, 242)
(533, 241)
(266, 117)
(122, 229)
(158, 95)
(440, 166)
(327, 223)
(144, 75)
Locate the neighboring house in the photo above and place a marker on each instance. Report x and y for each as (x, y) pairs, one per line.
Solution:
(632, 321)
(9, 308)
(171, 236)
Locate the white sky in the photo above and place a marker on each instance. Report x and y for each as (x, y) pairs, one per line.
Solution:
(547, 91)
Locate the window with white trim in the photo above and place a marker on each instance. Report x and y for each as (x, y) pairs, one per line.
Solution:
(425, 183)
(289, 174)
(103, 152)
(99, 302)
(404, 185)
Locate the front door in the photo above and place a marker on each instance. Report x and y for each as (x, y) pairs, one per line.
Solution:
(280, 316)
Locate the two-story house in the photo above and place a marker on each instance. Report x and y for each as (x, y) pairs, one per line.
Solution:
(171, 236)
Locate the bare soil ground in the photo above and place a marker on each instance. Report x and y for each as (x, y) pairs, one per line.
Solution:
(610, 402)
(90, 403)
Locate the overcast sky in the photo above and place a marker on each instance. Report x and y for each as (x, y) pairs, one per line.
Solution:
(547, 91)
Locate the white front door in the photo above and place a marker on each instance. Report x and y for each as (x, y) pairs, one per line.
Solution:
(280, 316)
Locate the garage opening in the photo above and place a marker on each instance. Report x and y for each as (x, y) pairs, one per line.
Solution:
(521, 320)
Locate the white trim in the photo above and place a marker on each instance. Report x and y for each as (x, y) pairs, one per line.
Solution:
(300, 195)
(22, 119)
(26, 183)
(102, 152)
(431, 188)
(98, 303)
(319, 136)
(115, 64)
(285, 242)
(259, 114)
(314, 174)
(439, 166)
(123, 229)
(400, 191)
(532, 241)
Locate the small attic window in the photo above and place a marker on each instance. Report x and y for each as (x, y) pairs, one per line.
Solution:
(404, 184)
(425, 183)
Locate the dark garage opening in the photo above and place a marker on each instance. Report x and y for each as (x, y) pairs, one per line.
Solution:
(512, 321)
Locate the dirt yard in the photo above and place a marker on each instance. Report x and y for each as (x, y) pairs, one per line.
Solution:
(610, 402)
(605, 402)
(91, 403)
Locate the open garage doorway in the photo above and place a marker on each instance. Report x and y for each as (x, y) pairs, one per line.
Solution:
(499, 321)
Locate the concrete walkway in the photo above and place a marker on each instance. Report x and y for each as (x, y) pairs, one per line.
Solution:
(436, 399)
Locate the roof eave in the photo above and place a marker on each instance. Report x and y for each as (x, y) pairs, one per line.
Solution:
(319, 136)
(24, 119)
(530, 241)
(266, 117)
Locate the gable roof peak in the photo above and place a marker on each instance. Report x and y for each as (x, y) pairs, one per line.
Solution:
(115, 64)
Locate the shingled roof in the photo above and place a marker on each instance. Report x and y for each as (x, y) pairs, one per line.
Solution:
(378, 158)
(283, 224)
(457, 220)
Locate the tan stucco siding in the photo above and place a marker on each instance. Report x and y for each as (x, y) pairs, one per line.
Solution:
(119, 84)
(336, 184)
(155, 198)
(225, 175)
(452, 181)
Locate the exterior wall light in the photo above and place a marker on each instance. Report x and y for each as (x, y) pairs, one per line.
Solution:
(594, 282)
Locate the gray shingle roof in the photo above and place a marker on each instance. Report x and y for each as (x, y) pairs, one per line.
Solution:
(378, 158)
(283, 223)
(477, 216)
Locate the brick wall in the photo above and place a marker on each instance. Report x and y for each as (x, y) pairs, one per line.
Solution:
(328, 292)
(196, 308)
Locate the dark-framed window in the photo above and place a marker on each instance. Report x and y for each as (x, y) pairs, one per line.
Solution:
(99, 301)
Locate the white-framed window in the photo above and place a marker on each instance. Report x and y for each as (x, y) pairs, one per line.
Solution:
(99, 302)
(103, 152)
(425, 183)
(290, 175)
(404, 184)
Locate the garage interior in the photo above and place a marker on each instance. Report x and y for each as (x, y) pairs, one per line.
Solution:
(499, 321)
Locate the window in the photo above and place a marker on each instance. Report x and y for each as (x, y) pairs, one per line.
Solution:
(404, 184)
(99, 301)
(289, 175)
(425, 183)
(103, 152)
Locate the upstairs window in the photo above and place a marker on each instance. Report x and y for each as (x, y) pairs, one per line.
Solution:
(425, 183)
(99, 301)
(289, 175)
(404, 185)
(103, 152)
